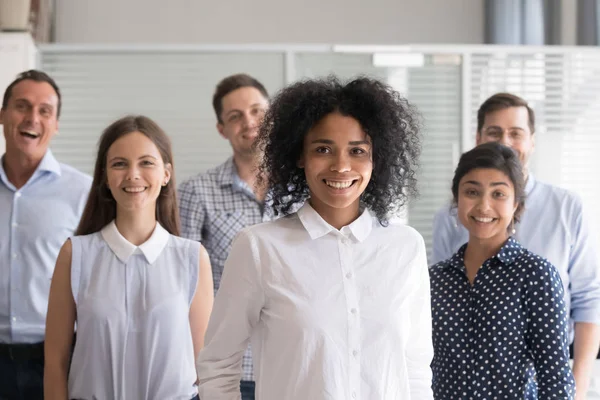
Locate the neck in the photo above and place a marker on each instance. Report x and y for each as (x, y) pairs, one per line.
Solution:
(19, 168)
(247, 170)
(480, 250)
(136, 227)
(336, 217)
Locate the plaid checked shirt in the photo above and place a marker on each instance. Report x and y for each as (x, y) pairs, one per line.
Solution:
(214, 206)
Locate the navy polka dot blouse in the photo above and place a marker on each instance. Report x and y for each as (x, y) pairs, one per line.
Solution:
(505, 336)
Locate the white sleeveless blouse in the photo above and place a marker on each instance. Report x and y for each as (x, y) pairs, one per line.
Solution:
(133, 333)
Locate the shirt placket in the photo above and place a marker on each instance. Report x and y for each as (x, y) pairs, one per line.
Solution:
(129, 303)
(15, 269)
(473, 291)
(352, 312)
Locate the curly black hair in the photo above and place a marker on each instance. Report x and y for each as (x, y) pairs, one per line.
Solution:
(392, 124)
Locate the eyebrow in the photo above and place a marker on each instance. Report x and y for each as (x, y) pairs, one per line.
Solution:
(476, 183)
(497, 127)
(236, 110)
(123, 158)
(22, 100)
(352, 143)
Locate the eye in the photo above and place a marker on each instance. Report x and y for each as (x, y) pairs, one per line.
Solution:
(20, 106)
(46, 112)
(471, 192)
(499, 195)
(118, 164)
(233, 118)
(357, 151)
(323, 150)
(515, 134)
(147, 162)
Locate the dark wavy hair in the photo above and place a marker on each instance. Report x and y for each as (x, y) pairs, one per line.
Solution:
(493, 155)
(101, 207)
(392, 124)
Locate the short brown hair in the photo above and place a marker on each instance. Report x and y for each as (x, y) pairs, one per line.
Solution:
(101, 207)
(36, 76)
(501, 101)
(231, 83)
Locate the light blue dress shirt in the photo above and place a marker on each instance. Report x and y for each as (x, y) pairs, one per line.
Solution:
(35, 221)
(553, 226)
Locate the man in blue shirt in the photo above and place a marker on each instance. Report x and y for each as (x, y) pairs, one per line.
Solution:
(553, 226)
(41, 202)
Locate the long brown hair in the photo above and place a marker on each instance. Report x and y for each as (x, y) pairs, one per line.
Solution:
(101, 207)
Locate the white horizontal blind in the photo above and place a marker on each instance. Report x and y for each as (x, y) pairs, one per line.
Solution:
(173, 88)
(435, 88)
(564, 91)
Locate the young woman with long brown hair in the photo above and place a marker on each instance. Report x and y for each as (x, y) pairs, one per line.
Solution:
(140, 295)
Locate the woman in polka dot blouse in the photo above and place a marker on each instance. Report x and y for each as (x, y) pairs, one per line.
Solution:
(499, 319)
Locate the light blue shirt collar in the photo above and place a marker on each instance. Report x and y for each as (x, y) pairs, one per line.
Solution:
(48, 164)
(529, 184)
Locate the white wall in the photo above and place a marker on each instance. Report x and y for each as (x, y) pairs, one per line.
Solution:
(270, 21)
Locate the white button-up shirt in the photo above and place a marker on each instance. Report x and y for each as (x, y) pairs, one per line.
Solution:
(331, 314)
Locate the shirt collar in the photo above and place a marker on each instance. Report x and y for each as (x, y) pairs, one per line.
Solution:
(529, 184)
(507, 254)
(227, 173)
(317, 227)
(123, 249)
(48, 163)
(510, 251)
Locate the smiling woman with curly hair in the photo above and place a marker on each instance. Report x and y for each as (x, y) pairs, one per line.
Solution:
(391, 124)
(334, 298)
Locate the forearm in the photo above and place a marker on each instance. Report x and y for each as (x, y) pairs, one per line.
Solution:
(587, 341)
(55, 382)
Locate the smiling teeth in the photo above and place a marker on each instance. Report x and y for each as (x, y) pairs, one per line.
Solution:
(339, 185)
(31, 133)
(135, 189)
(483, 219)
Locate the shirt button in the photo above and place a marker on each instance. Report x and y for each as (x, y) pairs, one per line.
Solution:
(14, 318)
(14, 255)
(18, 194)
(355, 353)
(15, 224)
(353, 395)
(349, 275)
(353, 311)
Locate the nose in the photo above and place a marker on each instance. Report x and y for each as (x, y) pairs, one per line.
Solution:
(32, 116)
(505, 139)
(483, 204)
(341, 163)
(249, 121)
(133, 173)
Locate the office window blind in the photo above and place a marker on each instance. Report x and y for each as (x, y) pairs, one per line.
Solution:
(173, 88)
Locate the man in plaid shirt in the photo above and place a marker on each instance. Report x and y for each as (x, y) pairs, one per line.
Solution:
(217, 204)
